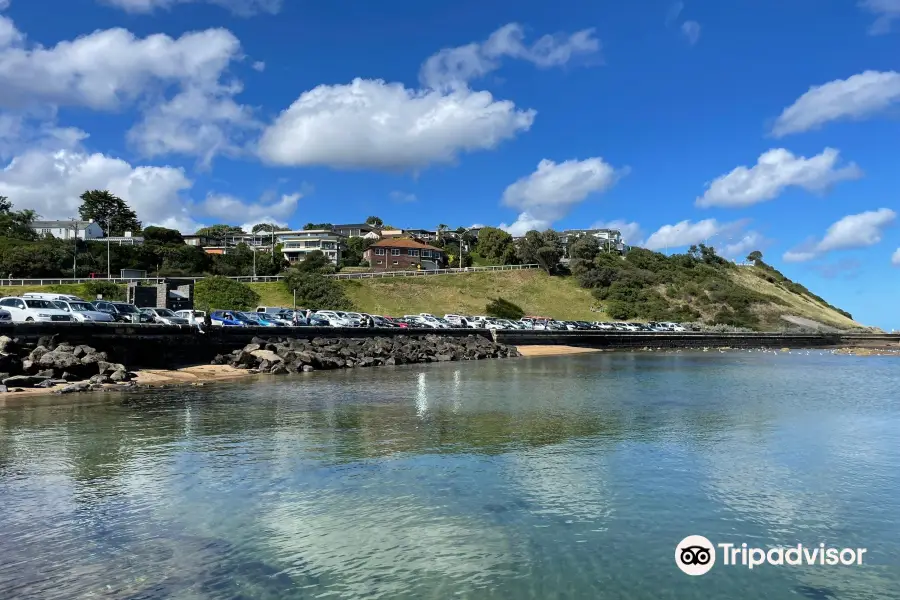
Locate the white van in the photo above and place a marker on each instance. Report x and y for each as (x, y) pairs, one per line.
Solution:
(52, 297)
(28, 310)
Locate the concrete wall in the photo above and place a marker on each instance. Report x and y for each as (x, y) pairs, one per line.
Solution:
(167, 346)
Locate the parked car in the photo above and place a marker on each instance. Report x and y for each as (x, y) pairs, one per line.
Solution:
(270, 309)
(82, 311)
(51, 297)
(225, 318)
(383, 322)
(122, 312)
(414, 322)
(604, 326)
(434, 321)
(457, 320)
(27, 310)
(338, 318)
(255, 319)
(193, 316)
(5, 316)
(396, 322)
(164, 316)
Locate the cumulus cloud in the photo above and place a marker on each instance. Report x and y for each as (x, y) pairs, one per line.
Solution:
(686, 233)
(691, 31)
(402, 197)
(739, 248)
(224, 206)
(109, 70)
(454, 68)
(632, 234)
(853, 231)
(244, 8)
(774, 171)
(551, 191)
(885, 11)
(895, 259)
(857, 97)
(50, 182)
(370, 124)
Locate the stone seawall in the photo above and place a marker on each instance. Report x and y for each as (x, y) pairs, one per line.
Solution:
(162, 346)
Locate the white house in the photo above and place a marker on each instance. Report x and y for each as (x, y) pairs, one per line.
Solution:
(297, 244)
(67, 230)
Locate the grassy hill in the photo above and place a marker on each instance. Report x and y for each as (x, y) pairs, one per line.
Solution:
(771, 295)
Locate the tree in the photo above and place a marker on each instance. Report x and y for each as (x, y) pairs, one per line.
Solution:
(185, 260)
(16, 224)
(315, 291)
(544, 249)
(440, 232)
(496, 246)
(353, 255)
(310, 226)
(755, 257)
(220, 231)
(267, 228)
(109, 211)
(504, 309)
(374, 221)
(162, 236)
(222, 293)
(315, 262)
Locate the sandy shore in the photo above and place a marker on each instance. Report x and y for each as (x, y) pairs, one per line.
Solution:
(553, 350)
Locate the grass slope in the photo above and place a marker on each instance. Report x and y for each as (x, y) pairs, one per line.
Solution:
(535, 291)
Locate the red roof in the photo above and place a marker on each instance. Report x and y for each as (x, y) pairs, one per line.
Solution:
(403, 243)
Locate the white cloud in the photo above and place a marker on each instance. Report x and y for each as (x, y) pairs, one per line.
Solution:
(895, 259)
(740, 248)
(686, 233)
(674, 12)
(229, 208)
(259, 66)
(856, 97)
(853, 231)
(402, 197)
(631, 231)
(370, 124)
(691, 31)
(238, 7)
(885, 11)
(774, 171)
(553, 189)
(454, 68)
(50, 182)
(112, 69)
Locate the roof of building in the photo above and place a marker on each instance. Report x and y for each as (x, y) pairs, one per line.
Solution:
(61, 224)
(356, 226)
(403, 243)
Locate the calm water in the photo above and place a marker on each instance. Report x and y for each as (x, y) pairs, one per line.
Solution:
(564, 477)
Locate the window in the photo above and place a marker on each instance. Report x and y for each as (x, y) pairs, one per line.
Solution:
(379, 252)
(378, 263)
(413, 252)
(395, 252)
(395, 262)
(426, 253)
(46, 230)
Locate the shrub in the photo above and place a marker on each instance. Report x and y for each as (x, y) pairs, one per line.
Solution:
(220, 292)
(105, 289)
(503, 309)
(316, 291)
(618, 310)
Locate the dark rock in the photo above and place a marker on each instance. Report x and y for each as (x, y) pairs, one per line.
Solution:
(443, 357)
(279, 369)
(75, 388)
(308, 368)
(24, 381)
(391, 361)
(67, 376)
(219, 360)
(119, 376)
(252, 347)
(64, 348)
(4, 376)
(7, 345)
(46, 384)
(101, 378)
(82, 351)
(45, 373)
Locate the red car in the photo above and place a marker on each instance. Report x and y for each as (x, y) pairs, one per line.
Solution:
(396, 322)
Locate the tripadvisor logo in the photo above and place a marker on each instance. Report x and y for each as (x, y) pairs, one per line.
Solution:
(696, 555)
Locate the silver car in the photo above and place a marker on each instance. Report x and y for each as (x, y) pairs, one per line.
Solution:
(164, 316)
(83, 312)
(5, 316)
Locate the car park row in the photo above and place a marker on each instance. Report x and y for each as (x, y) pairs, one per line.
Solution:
(45, 307)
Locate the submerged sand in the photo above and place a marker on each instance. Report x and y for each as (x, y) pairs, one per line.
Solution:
(553, 350)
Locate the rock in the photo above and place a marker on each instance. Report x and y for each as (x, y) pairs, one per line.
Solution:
(101, 378)
(24, 381)
(7, 345)
(82, 351)
(391, 361)
(279, 369)
(75, 388)
(219, 360)
(46, 384)
(3, 389)
(45, 373)
(66, 376)
(308, 368)
(118, 376)
(443, 357)
(252, 347)
(266, 355)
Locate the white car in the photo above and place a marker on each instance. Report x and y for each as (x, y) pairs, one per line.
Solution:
(164, 316)
(5, 316)
(674, 326)
(192, 316)
(457, 320)
(433, 324)
(83, 312)
(28, 310)
(52, 297)
(337, 318)
(433, 321)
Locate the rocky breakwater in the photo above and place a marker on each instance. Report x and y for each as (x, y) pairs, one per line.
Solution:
(279, 355)
(59, 366)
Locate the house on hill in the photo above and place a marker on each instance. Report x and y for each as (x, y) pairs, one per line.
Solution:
(404, 254)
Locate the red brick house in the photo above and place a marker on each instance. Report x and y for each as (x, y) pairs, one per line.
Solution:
(404, 254)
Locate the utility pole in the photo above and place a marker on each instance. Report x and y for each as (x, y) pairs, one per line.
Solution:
(75, 248)
(254, 264)
(108, 248)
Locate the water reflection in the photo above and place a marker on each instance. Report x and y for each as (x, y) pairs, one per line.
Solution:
(527, 479)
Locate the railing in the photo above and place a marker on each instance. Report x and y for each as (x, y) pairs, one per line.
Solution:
(260, 278)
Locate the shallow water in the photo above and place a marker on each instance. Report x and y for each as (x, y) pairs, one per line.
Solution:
(564, 477)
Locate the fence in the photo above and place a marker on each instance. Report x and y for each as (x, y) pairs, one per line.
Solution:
(265, 279)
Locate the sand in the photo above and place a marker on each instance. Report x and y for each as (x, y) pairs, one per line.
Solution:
(553, 350)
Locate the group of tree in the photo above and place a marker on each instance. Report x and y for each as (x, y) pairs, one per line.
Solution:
(312, 289)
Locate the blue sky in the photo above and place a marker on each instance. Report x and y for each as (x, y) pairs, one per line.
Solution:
(756, 124)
